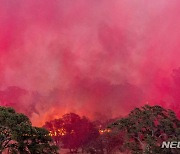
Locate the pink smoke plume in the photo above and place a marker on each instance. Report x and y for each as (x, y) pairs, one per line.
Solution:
(97, 58)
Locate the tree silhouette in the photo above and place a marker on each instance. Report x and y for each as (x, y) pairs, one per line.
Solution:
(72, 131)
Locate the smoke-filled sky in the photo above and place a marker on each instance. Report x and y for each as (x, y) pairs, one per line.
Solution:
(97, 58)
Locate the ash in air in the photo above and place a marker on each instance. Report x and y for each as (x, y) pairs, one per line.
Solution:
(95, 58)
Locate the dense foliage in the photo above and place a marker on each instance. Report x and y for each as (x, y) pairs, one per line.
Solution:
(141, 132)
(146, 128)
(17, 135)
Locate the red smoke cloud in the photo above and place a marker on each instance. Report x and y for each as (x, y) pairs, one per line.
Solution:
(96, 58)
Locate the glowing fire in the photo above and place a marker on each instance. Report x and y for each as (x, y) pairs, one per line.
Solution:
(62, 132)
(102, 131)
(59, 132)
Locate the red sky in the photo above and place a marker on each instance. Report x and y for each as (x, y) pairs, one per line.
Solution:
(98, 58)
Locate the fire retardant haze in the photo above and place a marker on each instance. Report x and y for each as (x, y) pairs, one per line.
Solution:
(97, 58)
